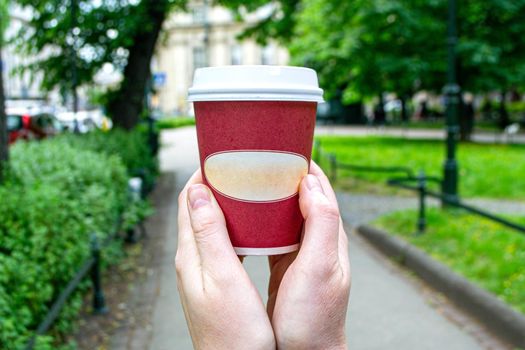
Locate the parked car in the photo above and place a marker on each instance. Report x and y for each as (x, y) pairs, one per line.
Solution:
(23, 124)
(82, 121)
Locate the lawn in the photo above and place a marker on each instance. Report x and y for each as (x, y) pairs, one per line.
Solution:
(485, 170)
(175, 122)
(483, 251)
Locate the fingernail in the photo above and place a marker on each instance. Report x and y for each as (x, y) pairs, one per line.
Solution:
(198, 196)
(313, 183)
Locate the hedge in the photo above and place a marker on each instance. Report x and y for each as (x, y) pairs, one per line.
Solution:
(175, 122)
(57, 192)
(131, 146)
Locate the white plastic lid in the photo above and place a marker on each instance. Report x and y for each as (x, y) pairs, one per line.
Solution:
(255, 83)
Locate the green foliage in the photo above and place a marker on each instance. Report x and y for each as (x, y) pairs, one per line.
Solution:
(491, 45)
(366, 47)
(86, 32)
(175, 122)
(4, 151)
(130, 146)
(361, 48)
(278, 24)
(58, 192)
(483, 251)
(55, 197)
(517, 107)
(4, 18)
(485, 170)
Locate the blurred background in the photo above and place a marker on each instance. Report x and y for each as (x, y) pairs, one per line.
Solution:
(422, 134)
(379, 63)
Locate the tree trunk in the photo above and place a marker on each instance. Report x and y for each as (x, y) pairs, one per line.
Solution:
(379, 112)
(4, 155)
(504, 120)
(464, 134)
(404, 112)
(127, 104)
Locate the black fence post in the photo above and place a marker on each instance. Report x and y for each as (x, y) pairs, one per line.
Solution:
(333, 167)
(130, 236)
(153, 141)
(99, 302)
(317, 151)
(422, 187)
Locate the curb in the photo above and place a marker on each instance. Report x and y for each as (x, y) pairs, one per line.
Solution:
(496, 315)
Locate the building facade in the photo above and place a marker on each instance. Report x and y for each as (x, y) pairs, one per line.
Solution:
(203, 36)
(17, 85)
(24, 87)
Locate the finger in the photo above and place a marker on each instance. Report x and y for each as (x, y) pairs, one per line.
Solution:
(278, 266)
(209, 230)
(322, 219)
(325, 183)
(187, 258)
(185, 236)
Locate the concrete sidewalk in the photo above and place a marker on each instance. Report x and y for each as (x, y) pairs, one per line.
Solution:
(429, 134)
(388, 308)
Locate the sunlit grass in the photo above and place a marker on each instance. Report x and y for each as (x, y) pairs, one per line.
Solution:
(175, 122)
(485, 252)
(485, 170)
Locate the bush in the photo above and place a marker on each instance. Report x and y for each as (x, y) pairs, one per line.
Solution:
(175, 122)
(56, 194)
(130, 146)
(517, 107)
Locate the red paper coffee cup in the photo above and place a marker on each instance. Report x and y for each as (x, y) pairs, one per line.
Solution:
(255, 128)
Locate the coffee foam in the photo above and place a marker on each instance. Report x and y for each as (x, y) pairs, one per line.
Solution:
(255, 176)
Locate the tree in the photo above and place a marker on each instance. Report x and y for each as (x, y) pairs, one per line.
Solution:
(360, 47)
(4, 152)
(71, 40)
(491, 48)
(368, 47)
(127, 104)
(491, 45)
(278, 25)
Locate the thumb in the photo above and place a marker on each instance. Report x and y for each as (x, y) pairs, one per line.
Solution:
(321, 227)
(209, 228)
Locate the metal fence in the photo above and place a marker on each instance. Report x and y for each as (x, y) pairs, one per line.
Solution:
(91, 266)
(421, 181)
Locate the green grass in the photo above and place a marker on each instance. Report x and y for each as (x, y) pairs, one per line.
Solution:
(487, 253)
(485, 170)
(439, 124)
(175, 122)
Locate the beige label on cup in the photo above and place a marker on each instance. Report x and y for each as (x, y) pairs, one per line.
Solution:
(258, 176)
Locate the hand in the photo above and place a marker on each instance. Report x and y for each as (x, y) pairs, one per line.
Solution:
(222, 307)
(309, 289)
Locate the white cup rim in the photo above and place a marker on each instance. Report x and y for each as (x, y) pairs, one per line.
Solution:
(255, 83)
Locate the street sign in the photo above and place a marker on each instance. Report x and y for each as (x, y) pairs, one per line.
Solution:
(159, 79)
